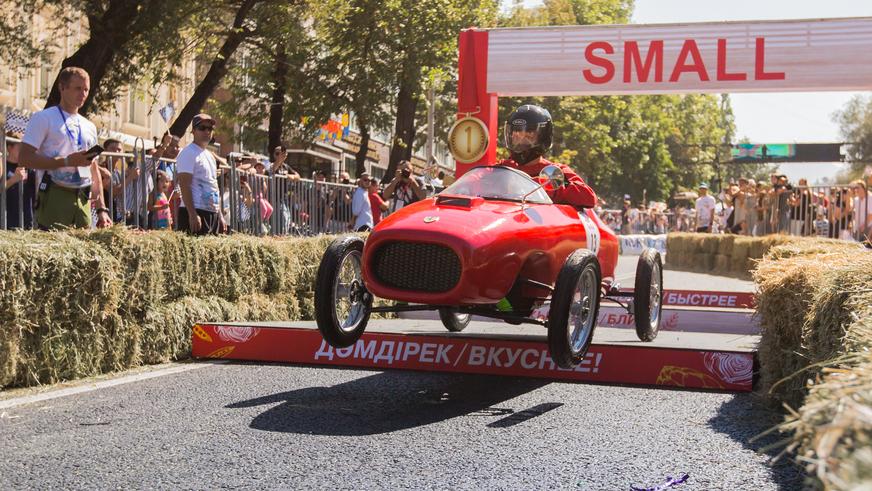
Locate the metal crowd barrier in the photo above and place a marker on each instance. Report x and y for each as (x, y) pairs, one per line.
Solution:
(281, 205)
(648, 223)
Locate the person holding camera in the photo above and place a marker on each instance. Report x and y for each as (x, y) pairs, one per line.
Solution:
(199, 212)
(403, 190)
(60, 142)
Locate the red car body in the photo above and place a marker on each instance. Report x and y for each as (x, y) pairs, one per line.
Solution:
(457, 250)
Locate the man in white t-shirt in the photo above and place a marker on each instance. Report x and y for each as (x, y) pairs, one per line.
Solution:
(56, 143)
(200, 210)
(705, 210)
(361, 208)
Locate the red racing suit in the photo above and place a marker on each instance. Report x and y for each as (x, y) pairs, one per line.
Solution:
(576, 192)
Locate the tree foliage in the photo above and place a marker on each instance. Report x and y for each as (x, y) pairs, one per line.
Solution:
(855, 126)
(128, 41)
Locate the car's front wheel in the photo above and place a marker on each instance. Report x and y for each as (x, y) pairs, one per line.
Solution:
(453, 320)
(342, 303)
(648, 295)
(574, 308)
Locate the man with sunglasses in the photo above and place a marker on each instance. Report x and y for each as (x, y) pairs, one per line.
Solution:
(199, 212)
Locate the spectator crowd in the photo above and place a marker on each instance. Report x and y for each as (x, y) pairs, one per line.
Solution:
(752, 208)
(56, 176)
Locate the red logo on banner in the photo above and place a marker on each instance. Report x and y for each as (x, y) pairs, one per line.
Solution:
(689, 61)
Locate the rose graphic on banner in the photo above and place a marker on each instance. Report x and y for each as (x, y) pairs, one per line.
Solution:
(235, 334)
(733, 368)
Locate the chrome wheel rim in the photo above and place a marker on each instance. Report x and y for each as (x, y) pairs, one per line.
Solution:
(581, 319)
(349, 305)
(654, 297)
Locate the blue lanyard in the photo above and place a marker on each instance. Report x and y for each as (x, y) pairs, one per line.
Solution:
(70, 133)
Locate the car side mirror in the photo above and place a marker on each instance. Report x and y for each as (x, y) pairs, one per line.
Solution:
(553, 176)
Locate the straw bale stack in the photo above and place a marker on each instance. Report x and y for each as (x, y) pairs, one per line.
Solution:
(58, 308)
(832, 432)
(815, 306)
(801, 303)
(739, 258)
(76, 304)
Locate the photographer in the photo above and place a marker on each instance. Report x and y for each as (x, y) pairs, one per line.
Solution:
(403, 189)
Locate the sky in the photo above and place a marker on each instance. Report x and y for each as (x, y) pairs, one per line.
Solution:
(802, 117)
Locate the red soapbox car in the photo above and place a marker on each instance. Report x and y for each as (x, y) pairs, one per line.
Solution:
(492, 244)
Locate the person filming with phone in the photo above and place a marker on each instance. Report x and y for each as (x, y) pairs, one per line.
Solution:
(62, 145)
(403, 189)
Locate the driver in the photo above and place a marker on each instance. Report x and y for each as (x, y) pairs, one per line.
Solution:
(528, 134)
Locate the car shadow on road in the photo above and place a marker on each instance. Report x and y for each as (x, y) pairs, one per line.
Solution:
(389, 401)
(744, 417)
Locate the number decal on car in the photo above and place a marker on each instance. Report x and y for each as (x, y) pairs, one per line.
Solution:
(591, 231)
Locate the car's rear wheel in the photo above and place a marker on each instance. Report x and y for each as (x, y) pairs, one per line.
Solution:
(342, 303)
(648, 295)
(574, 308)
(453, 320)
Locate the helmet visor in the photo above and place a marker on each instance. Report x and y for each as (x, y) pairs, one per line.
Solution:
(521, 136)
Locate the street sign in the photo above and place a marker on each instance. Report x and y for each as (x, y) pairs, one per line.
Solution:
(785, 152)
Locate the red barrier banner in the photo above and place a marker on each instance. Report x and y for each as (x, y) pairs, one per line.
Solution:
(687, 368)
(693, 298)
(685, 320)
(697, 298)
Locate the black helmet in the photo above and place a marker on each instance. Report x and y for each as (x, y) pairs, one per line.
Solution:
(528, 133)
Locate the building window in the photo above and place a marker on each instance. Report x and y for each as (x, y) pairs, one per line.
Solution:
(45, 80)
(135, 108)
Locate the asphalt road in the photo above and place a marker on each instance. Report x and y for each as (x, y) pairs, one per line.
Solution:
(270, 426)
(255, 426)
(625, 273)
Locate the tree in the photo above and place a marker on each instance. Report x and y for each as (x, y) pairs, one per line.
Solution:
(244, 25)
(280, 73)
(357, 64)
(425, 37)
(127, 39)
(19, 47)
(855, 127)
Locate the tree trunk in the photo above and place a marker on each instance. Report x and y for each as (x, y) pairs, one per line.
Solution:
(404, 127)
(407, 103)
(216, 72)
(277, 106)
(107, 34)
(360, 156)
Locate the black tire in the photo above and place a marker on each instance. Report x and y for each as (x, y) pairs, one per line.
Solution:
(648, 295)
(580, 274)
(452, 320)
(342, 262)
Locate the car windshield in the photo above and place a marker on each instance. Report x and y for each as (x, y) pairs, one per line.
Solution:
(497, 182)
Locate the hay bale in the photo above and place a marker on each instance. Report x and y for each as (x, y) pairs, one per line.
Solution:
(58, 295)
(725, 244)
(739, 255)
(703, 262)
(803, 289)
(722, 263)
(833, 430)
(709, 243)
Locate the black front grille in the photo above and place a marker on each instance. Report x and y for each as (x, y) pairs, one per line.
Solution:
(416, 266)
